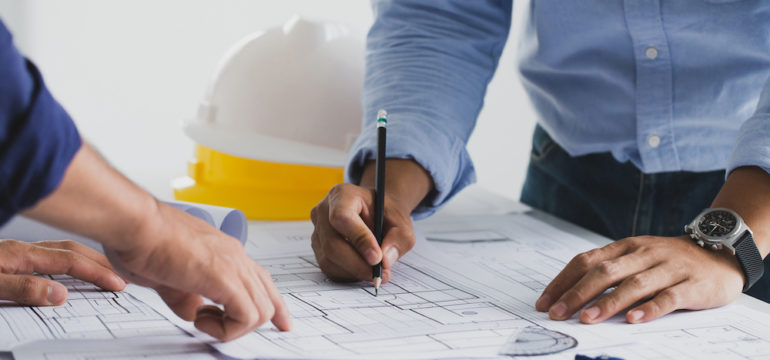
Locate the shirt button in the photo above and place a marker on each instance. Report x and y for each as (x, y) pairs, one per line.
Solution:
(653, 141)
(651, 53)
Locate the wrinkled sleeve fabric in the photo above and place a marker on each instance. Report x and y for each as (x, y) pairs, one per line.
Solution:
(37, 137)
(752, 147)
(428, 64)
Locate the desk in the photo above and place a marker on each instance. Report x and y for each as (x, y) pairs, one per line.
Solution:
(475, 201)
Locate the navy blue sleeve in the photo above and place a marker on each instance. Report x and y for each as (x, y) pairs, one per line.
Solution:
(37, 137)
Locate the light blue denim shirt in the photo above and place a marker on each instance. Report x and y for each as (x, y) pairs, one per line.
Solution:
(670, 85)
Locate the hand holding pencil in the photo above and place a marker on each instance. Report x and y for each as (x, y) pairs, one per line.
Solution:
(344, 240)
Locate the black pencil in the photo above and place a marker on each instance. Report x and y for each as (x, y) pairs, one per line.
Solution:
(379, 193)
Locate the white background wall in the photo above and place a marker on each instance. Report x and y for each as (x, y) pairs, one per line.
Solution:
(130, 71)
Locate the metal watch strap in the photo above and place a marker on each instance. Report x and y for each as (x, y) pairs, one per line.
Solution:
(748, 256)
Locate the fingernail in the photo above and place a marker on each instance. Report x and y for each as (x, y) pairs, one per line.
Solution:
(591, 313)
(635, 315)
(56, 294)
(557, 311)
(371, 256)
(392, 255)
(543, 302)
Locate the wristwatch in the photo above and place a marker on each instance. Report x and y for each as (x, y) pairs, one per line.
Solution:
(720, 228)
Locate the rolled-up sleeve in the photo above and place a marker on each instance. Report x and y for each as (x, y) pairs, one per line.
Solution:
(38, 139)
(428, 64)
(752, 147)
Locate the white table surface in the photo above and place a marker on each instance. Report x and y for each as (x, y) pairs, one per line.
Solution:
(475, 201)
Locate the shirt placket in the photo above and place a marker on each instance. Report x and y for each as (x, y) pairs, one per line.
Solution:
(654, 86)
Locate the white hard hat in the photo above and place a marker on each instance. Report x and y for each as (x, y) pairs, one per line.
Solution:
(273, 129)
(290, 95)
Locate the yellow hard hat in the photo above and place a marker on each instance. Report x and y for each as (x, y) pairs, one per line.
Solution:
(274, 127)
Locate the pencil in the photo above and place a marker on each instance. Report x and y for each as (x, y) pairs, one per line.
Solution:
(379, 194)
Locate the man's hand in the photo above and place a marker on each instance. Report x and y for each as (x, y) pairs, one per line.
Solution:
(343, 241)
(674, 272)
(182, 257)
(19, 260)
(663, 273)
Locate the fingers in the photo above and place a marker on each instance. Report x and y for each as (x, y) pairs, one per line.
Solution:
(599, 278)
(678, 273)
(665, 302)
(337, 257)
(44, 260)
(184, 304)
(692, 294)
(238, 318)
(638, 286)
(574, 271)
(348, 206)
(246, 310)
(343, 242)
(77, 247)
(242, 313)
(262, 302)
(281, 319)
(32, 290)
(336, 272)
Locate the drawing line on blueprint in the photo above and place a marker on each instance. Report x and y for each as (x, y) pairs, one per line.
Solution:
(420, 308)
(88, 313)
(727, 339)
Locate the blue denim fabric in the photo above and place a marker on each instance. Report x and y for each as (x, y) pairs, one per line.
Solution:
(616, 199)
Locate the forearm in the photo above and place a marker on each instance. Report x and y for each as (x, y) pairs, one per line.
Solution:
(747, 192)
(406, 182)
(95, 200)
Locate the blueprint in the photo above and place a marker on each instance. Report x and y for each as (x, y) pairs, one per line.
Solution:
(164, 347)
(520, 254)
(467, 290)
(89, 313)
(423, 312)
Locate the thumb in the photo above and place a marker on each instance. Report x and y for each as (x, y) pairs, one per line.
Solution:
(32, 290)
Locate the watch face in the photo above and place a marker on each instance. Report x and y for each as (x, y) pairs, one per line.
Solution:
(717, 223)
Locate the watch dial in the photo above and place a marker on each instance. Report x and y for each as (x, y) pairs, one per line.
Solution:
(717, 223)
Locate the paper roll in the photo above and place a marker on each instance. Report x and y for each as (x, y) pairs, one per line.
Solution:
(230, 221)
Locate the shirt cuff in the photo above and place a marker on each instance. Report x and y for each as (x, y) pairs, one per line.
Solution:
(752, 145)
(443, 156)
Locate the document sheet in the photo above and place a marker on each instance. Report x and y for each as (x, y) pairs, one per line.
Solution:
(517, 255)
(467, 290)
(88, 313)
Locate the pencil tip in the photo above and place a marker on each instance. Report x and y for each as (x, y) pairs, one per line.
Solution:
(377, 282)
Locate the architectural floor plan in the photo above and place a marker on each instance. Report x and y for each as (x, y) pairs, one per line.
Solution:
(418, 312)
(89, 313)
(519, 254)
(465, 291)
(468, 290)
